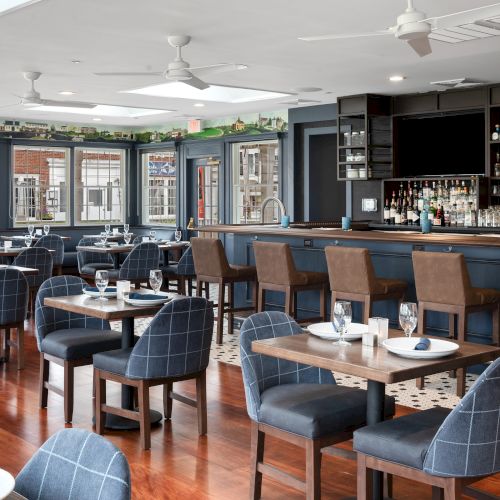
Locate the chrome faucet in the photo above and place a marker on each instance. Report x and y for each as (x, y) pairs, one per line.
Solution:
(264, 204)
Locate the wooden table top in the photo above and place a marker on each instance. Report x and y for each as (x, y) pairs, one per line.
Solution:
(112, 309)
(372, 363)
(126, 248)
(27, 271)
(15, 251)
(111, 237)
(19, 237)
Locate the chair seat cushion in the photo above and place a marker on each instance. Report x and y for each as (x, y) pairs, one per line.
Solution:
(170, 270)
(404, 440)
(315, 410)
(249, 272)
(383, 285)
(486, 295)
(310, 278)
(113, 361)
(70, 259)
(92, 268)
(113, 274)
(78, 343)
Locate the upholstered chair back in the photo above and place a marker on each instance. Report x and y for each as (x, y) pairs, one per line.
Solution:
(90, 257)
(38, 258)
(53, 242)
(209, 257)
(142, 259)
(274, 262)
(261, 372)
(13, 296)
(185, 266)
(177, 341)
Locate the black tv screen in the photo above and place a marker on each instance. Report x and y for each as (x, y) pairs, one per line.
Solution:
(441, 145)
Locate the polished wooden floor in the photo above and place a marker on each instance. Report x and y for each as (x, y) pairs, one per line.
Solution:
(180, 465)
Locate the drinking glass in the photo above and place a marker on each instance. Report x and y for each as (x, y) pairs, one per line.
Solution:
(101, 282)
(31, 229)
(178, 235)
(27, 240)
(155, 279)
(408, 317)
(104, 237)
(342, 315)
(46, 229)
(107, 228)
(126, 238)
(152, 235)
(126, 227)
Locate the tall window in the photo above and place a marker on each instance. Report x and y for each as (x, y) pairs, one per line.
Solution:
(159, 197)
(99, 185)
(40, 185)
(255, 177)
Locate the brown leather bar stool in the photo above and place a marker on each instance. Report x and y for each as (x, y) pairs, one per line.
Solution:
(443, 285)
(352, 277)
(211, 266)
(276, 271)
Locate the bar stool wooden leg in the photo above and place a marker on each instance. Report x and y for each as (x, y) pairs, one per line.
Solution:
(198, 288)
(323, 296)
(495, 325)
(255, 294)
(421, 319)
(462, 330)
(367, 309)
(334, 299)
(261, 299)
(230, 315)
(451, 325)
(207, 290)
(220, 313)
(288, 301)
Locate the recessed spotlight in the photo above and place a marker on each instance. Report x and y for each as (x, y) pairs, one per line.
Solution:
(67, 92)
(307, 89)
(397, 78)
(97, 119)
(199, 105)
(76, 61)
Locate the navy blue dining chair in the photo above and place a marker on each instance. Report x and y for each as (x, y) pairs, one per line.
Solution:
(298, 403)
(89, 262)
(75, 463)
(67, 339)
(53, 242)
(174, 347)
(183, 272)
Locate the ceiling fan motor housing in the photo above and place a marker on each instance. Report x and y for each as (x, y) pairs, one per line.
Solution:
(410, 26)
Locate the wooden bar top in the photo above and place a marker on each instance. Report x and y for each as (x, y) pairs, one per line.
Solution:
(414, 237)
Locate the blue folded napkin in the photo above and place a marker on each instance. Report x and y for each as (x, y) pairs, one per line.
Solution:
(145, 296)
(109, 289)
(423, 344)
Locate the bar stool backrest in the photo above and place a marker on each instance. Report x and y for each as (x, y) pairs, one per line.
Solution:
(274, 262)
(209, 257)
(350, 270)
(441, 278)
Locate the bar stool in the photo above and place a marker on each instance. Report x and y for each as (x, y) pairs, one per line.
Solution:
(276, 271)
(443, 285)
(352, 277)
(211, 266)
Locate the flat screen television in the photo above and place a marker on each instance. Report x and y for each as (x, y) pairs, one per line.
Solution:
(441, 145)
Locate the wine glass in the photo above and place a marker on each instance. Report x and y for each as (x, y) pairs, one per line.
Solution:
(27, 240)
(101, 282)
(152, 235)
(126, 228)
(46, 229)
(104, 237)
(408, 317)
(342, 315)
(155, 279)
(178, 235)
(31, 229)
(126, 238)
(107, 228)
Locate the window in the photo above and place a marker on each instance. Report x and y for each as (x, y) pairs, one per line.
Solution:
(255, 177)
(40, 180)
(99, 186)
(159, 197)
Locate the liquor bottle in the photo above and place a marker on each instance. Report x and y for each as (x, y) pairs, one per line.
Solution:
(439, 220)
(453, 215)
(397, 219)
(387, 212)
(410, 213)
(473, 216)
(393, 208)
(420, 198)
(404, 211)
(495, 136)
(447, 215)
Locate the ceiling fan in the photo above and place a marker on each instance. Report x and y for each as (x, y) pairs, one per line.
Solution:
(415, 28)
(179, 70)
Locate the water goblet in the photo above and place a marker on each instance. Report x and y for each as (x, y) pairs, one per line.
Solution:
(155, 279)
(126, 238)
(342, 315)
(107, 228)
(31, 229)
(178, 235)
(408, 317)
(152, 235)
(46, 229)
(101, 282)
(104, 237)
(126, 228)
(27, 240)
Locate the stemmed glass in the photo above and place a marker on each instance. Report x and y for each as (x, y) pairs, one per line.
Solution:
(155, 279)
(408, 317)
(178, 235)
(46, 229)
(342, 316)
(101, 282)
(126, 228)
(126, 238)
(104, 237)
(31, 229)
(107, 228)
(27, 240)
(152, 235)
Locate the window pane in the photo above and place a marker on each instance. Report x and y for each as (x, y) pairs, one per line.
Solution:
(255, 177)
(99, 185)
(40, 180)
(159, 194)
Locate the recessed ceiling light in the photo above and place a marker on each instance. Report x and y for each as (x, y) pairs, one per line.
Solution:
(105, 110)
(76, 61)
(66, 92)
(307, 89)
(397, 78)
(216, 93)
(199, 105)
(97, 119)
(7, 6)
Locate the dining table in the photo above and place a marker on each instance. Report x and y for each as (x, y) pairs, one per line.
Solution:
(373, 363)
(110, 237)
(35, 237)
(111, 310)
(27, 271)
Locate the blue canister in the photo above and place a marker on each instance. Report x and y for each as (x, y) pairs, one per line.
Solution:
(426, 226)
(346, 223)
(285, 221)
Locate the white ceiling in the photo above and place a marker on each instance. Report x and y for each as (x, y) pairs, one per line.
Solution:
(130, 35)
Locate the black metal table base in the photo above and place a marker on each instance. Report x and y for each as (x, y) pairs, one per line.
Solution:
(125, 424)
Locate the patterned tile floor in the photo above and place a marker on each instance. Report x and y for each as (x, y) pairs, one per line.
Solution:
(440, 390)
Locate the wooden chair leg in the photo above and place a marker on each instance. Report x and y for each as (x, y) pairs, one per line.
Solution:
(365, 476)
(256, 457)
(389, 479)
(323, 297)
(313, 470)
(167, 400)
(495, 325)
(207, 290)
(198, 288)
(201, 403)
(20, 346)
(69, 386)
(7, 344)
(288, 301)
(181, 283)
(437, 493)
(44, 378)
(144, 416)
(261, 299)
(230, 315)
(453, 489)
(462, 331)
(220, 314)
(100, 400)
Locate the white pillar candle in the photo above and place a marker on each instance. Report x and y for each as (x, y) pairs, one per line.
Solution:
(122, 287)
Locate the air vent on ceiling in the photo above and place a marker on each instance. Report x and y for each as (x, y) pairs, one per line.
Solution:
(458, 83)
(482, 28)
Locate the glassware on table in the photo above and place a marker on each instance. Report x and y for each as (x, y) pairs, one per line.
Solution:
(27, 240)
(408, 317)
(107, 228)
(155, 279)
(46, 229)
(101, 282)
(342, 316)
(178, 235)
(126, 238)
(126, 228)
(104, 237)
(152, 235)
(31, 229)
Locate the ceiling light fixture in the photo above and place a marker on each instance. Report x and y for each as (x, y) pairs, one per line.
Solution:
(397, 78)
(97, 119)
(199, 105)
(76, 61)
(7, 6)
(66, 92)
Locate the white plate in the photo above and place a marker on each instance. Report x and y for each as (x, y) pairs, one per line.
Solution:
(7, 483)
(405, 347)
(163, 297)
(326, 331)
(91, 293)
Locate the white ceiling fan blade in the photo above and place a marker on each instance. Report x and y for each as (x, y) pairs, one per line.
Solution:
(345, 36)
(196, 83)
(67, 104)
(137, 73)
(217, 68)
(469, 16)
(421, 46)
